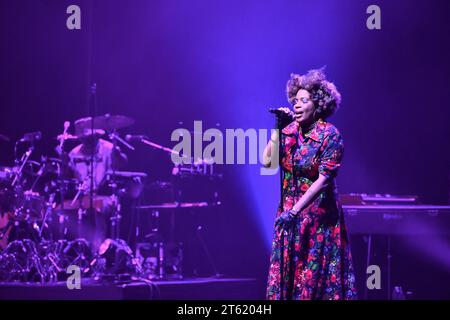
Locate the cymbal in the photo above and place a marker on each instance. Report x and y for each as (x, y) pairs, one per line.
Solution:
(105, 122)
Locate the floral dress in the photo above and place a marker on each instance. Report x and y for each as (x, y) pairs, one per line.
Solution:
(311, 259)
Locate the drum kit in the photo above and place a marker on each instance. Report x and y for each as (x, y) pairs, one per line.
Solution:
(46, 211)
(48, 214)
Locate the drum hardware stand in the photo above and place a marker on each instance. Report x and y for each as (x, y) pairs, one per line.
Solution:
(23, 160)
(31, 138)
(61, 185)
(93, 108)
(116, 214)
(81, 211)
(39, 175)
(155, 231)
(81, 190)
(208, 254)
(115, 217)
(62, 138)
(61, 215)
(50, 207)
(155, 240)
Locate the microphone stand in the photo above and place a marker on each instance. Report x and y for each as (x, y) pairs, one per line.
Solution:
(61, 183)
(165, 149)
(281, 121)
(278, 125)
(94, 148)
(116, 216)
(116, 137)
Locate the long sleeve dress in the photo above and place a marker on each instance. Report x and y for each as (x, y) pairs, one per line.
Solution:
(311, 259)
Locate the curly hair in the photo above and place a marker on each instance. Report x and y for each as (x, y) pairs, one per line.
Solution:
(324, 95)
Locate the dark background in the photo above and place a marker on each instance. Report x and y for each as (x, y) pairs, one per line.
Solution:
(168, 63)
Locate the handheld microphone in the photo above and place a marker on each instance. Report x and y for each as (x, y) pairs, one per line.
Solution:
(283, 116)
(281, 112)
(275, 111)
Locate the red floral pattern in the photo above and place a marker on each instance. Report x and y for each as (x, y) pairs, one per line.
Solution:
(311, 260)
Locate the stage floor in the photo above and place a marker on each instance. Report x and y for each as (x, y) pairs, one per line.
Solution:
(186, 289)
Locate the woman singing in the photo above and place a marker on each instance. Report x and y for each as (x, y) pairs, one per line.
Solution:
(310, 252)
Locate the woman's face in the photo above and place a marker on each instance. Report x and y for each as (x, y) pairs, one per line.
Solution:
(303, 108)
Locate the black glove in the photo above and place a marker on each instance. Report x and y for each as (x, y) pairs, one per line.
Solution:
(284, 118)
(285, 219)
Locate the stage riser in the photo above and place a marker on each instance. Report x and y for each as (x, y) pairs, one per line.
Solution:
(198, 289)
